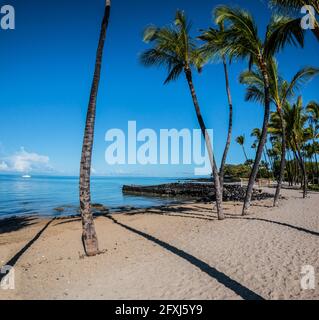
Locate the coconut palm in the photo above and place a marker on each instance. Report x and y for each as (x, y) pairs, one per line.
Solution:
(241, 141)
(256, 132)
(297, 135)
(308, 153)
(174, 49)
(89, 236)
(209, 37)
(241, 40)
(291, 6)
(313, 118)
(280, 91)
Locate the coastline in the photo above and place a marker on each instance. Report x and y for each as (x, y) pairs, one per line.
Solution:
(178, 251)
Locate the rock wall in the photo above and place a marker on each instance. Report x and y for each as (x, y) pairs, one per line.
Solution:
(205, 191)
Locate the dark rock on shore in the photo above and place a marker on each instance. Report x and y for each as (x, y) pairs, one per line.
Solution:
(97, 210)
(203, 191)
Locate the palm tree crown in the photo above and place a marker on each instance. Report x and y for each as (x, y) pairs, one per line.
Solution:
(240, 38)
(280, 89)
(173, 48)
(240, 140)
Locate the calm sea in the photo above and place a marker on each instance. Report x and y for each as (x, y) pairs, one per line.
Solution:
(42, 194)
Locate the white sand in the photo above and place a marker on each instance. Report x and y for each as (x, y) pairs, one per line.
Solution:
(184, 254)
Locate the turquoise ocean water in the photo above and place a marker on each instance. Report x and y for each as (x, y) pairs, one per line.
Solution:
(40, 195)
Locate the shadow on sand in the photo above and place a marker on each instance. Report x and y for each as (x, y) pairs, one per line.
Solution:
(314, 233)
(186, 213)
(222, 278)
(16, 257)
(16, 223)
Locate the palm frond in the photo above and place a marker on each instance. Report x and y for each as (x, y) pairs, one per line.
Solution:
(282, 31)
(255, 94)
(174, 73)
(292, 6)
(302, 77)
(240, 39)
(240, 140)
(172, 48)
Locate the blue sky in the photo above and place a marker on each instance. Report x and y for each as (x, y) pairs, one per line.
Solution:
(46, 67)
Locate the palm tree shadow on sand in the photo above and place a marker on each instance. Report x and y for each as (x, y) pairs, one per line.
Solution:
(16, 223)
(222, 278)
(17, 256)
(187, 213)
(314, 233)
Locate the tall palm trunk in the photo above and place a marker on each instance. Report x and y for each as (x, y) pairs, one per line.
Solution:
(312, 169)
(283, 157)
(262, 141)
(269, 162)
(219, 196)
(316, 161)
(302, 167)
(289, 170)
(89, 236)
(230, 128)
(266, 162)
(317, 168)
(245, 154)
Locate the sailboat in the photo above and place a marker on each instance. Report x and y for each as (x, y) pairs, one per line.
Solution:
(26, 176)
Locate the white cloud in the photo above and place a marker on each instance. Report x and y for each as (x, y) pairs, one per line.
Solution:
(23, 161)
(3, 166)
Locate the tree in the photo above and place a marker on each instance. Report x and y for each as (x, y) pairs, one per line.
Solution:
(241, 40)
(174, 49)
(313, 118)
(241, 141)
(209, 37)
(280, 91)
(89, 236)
(256, 132)
(297, 136)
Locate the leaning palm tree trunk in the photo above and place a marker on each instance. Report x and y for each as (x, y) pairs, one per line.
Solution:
(302, 167)
(262, 141)
(89, 236)
(283, 158)
(219, 196)
(230, 127)
(245, 154)
(317, 168)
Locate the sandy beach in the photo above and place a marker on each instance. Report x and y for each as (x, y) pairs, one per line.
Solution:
(175, 252)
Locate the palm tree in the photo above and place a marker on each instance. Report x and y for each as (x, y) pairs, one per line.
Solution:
(313, 118)
(256, 132)
(209, 37)
(297, 135)
(309, 152)
(241, 141)
(89, 236)
(241, 40)
(280, 91)
(175, 49)
(295, 6)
